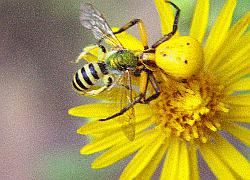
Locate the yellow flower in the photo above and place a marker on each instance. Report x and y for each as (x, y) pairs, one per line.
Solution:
(187, 117)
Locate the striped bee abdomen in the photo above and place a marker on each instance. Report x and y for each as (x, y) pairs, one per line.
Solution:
(88, 75)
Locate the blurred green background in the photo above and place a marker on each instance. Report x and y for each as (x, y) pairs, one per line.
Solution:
(39, 39)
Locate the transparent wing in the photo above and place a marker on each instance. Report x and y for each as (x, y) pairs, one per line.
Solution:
(93, 20)
(116, 99)
(128, 119)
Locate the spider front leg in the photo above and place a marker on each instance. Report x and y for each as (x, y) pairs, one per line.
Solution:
(146, 76)
(141, 29)
(155, 86)
(175, 27)
(125, 109)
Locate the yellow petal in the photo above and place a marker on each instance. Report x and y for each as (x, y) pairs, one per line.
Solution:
(143, 158)
(128, 41)
(238, 29)
(238, 114)
(165, 11)
(241, 85)
(242, 100)
(220, 29)
(94, 110)
(240, 61)
(228, 56)
(218, 167)
(200, 19)
(109, 139)
(229, 154)
(235, 59)
(194, 170)
(239, 132)
(171, 164)
(149, 170)
(123, 149)
(230, 44)
(103, 110)
(184, 167)
(104, 143)
(235, 75)
(97, 127)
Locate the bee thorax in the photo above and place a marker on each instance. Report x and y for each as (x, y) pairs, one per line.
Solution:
(122, 60)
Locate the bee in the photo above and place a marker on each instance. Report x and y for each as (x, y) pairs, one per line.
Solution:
(121, 63)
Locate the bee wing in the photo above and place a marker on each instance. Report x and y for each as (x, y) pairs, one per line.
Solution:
(128, 127)
(115, 99)
(93, 20)
(128, 119)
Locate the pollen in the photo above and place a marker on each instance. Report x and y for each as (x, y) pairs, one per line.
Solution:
(190, 110)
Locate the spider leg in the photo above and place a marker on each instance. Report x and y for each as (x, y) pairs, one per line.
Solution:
(175, 26)
(141, 29)
(122, 111)
(139, 99)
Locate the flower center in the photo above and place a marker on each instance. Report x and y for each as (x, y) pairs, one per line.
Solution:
(190, 110)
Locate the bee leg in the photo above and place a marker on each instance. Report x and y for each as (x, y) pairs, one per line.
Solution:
(175, 26)
(141, 29)
(101, 53)
(107, 80)
(97, 91)
(86, 52)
